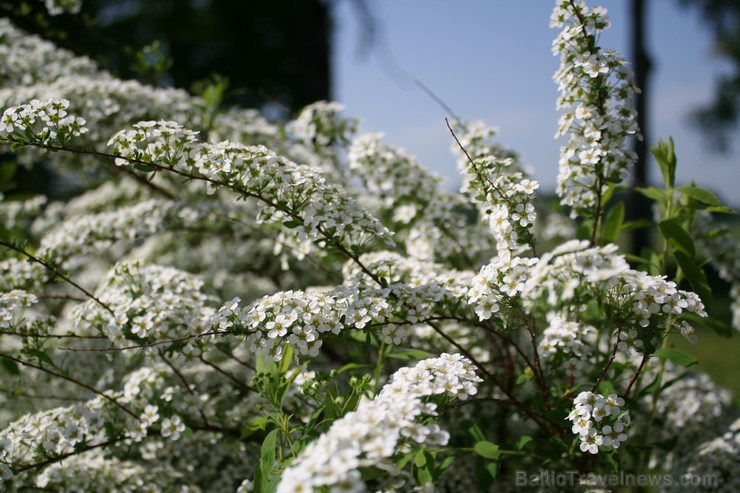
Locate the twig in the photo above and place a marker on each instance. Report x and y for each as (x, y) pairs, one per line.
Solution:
(72, 380)
(56, 273)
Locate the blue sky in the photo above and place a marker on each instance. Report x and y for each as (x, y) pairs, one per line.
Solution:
(490, 60)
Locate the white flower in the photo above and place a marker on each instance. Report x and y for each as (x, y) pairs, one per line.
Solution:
(172, 427)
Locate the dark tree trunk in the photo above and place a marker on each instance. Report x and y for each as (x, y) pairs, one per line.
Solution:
(639, 207)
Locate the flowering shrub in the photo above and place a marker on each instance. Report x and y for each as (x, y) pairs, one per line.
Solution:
(238, 305)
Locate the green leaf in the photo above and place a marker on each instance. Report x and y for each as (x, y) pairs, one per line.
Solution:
(287, 359)
(523, 441)
(473, 430)
(10, 366)
(666, 157)
(415, 354)
(292, 224)
(266, 462)
(265, 364)
(696, 277)
(636, 224)
(611, 460)
(487, 449)
(677, 236)
(420, 460)
(146, 168)
(678, 357)
(606, 387)
(253, 426)
(700, 195)
(423, 476)
(401, 463)
(722, 209)
(656, 194)
(41, 356)
(352, 366)
(613, 223)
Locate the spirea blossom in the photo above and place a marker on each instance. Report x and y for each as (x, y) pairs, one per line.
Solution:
(46, 121)
(503, 192)
(57, 7)
(599, 421)
(596, 90)
(370, 435)
(255, 171)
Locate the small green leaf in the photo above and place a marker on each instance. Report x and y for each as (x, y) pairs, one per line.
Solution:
(253, 426)
(291, 224)
(10, 366)
(666, 157)
(677, 236)
(473, 430)
(700, 194)
(523, 441)
(678, 357)
(636, 224)
(487, 449)
(696, 277)
(656, 194)
(613, 223)
(722, 209)
(423, 476)
(266, 462)
(415, 354)
(492, 469)
(420, 460)
(287, 359)
(146, 168)
(606, 387)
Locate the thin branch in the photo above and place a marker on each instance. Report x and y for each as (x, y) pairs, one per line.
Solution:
(49, 336)
(72, 380)
(55, 272)
(146, 345)
(226, 374)
(645, 358)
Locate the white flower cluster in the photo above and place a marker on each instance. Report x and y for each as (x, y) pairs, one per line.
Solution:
(255, 171)
(57, 7)
(319, 124)
(412, 195)
(299, 319)
(370, 435)
(716, 462)
(722, 248)
(52, 432)
(45, 122)
(599, 421)
(89, 470)
(59, 431)
(502, 191)
(596, 87)
(504, 277)
(391, 173)
(146, 302)
(18, 213)
(397, 269)
(567, 341)
(691, 405)
(20, 274)
(11, 305)
(639, 299)
(88, 233)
